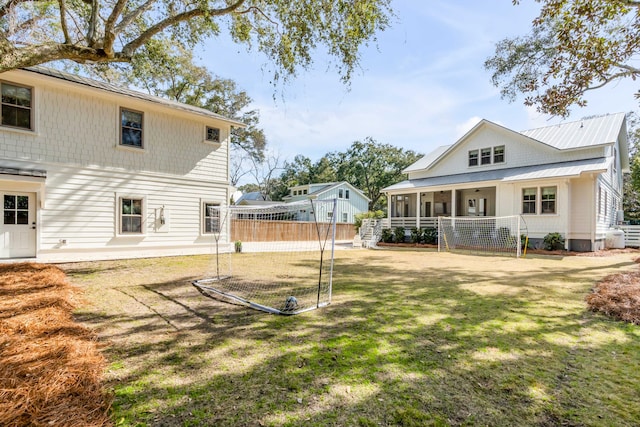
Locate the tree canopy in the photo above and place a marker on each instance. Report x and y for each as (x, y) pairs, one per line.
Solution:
(289, 32)
(574, 46)
(367, 165)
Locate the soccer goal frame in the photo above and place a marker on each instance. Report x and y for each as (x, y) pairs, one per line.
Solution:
(277, 258)
(506, 235)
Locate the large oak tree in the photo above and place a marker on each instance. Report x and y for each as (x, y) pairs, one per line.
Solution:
(289, 32)
(574, 46)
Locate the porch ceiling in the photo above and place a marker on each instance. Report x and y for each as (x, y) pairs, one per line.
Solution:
(552, 170)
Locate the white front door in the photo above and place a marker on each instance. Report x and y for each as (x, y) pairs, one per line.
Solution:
(18, 228)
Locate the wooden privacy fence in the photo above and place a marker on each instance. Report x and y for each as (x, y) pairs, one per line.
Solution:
(277, 231)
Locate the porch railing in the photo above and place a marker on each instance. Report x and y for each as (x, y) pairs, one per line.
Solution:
(410, 222)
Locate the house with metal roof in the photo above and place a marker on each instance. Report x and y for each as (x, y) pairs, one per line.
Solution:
(89, 170)
(350, 200)
(564, 178)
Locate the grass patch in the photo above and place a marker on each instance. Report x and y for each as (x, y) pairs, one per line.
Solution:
(411, 338)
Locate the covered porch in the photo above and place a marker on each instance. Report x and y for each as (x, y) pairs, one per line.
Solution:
(421, 209)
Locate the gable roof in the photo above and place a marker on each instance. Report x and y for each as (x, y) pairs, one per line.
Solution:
(328, 186)
(585, 133)
(441, 152)
(95, 84)
(552, 170)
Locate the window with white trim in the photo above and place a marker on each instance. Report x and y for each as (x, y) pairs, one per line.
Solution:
(548, 200)
(131, 128)
(529, 200)
(485, 156)
(346, 194)
(17, 103)
(473, 158)
(131, 215)
(498, 154)
(345, 217)
(340, 193)
(211, 217)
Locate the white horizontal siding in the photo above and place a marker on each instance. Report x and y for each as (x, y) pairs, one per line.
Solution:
(81, 207)
(519, 151)
(76, 141)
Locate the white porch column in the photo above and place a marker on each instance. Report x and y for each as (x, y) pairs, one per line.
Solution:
(453, 203)
(418, 206)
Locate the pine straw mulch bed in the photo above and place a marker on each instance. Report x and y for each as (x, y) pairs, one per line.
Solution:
(50, 367)
(618, 296)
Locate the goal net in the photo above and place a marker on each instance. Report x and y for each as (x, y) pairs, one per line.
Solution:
(505, 235)
(276, 258)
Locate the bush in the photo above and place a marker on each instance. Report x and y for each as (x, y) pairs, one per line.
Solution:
(387, 235)
(398, 235)
(416, 235)
(430, 236)
(524, 243)
(553, 241)
(357, 223)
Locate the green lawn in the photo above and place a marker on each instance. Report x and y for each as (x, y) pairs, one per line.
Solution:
(412, 338)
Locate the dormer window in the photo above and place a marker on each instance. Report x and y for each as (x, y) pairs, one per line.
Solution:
(473, 158)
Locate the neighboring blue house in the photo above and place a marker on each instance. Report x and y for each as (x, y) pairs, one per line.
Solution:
(350, 200)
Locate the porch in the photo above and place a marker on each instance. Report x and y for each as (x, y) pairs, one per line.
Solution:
(421, 209)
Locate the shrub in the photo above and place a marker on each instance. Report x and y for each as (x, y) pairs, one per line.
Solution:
(387, 235)
(416, 235)
(553, 241)
(524, 243)
(398, 234)
(357, 223)
(430, 236)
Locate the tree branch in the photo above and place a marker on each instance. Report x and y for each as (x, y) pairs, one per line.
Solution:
(63, 21)
(10, 5)
(93, 22)
(130, 47)
(109, 33)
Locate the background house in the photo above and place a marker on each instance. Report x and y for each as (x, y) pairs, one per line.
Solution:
(253, 198)
(89, 170)
(350, 200)
(563, 178)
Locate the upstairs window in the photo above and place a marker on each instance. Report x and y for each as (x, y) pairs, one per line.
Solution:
(346, 194)
(473, 158)
(340, 193)
(213, 135)
(498, 154)
(485, 156)
(16, 106)
(131, 125)
(529, 200)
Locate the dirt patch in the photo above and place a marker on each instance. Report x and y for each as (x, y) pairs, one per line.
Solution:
(50, 366)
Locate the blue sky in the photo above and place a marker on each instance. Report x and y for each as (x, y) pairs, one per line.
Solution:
(421, 86)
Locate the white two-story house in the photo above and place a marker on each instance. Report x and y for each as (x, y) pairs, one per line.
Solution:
(89, 170)
(564, 178)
